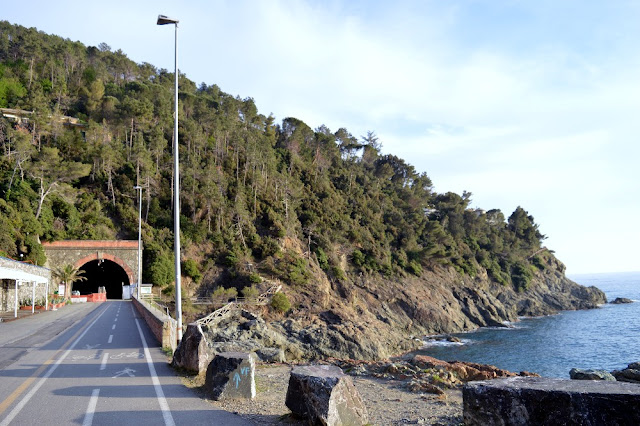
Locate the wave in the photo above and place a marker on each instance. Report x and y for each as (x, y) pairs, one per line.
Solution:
(442, 340)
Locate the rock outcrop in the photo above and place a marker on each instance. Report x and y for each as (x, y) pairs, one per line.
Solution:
(621, 300)
(377, 319)
(323, 394)
(193, 353)
(630, 374)
(580, 374)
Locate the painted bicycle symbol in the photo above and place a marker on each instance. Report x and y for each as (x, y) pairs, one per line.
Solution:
(83, 357)
(127, 355)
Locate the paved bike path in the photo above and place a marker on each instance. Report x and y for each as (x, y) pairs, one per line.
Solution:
(105, 369)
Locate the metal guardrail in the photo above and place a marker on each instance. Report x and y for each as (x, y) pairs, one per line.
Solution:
(224, 300)
(157, 306)
(263, 299)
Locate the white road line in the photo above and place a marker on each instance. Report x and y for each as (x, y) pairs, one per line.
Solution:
(114, 327)
(115, 320)
(166, 412)
(37, 386)
(110, 338)
(104, 361)
(91, 409)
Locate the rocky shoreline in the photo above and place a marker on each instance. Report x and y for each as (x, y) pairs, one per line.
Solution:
(417, 390)
(388, 318)
(386, 400)
(365, 328)
(333, 333)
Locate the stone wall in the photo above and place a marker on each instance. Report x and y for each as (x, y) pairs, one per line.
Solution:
(77, 253)
(25, 291)
(162, 326)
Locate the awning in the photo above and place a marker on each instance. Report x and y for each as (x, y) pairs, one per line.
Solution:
(15, 274)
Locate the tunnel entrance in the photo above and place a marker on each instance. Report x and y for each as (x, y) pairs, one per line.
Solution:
(102, 273)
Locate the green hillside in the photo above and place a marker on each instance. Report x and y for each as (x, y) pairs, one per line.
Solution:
(258, 196)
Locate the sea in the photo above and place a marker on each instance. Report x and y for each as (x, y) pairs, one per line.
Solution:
(607, 338)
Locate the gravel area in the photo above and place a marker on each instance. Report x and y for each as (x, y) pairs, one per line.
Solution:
(388, 401)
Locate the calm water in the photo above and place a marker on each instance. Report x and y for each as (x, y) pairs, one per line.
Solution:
(605, 338)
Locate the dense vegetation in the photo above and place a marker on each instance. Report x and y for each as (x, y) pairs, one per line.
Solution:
(257, 196)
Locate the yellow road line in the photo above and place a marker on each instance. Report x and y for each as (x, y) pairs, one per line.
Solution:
(20, 389)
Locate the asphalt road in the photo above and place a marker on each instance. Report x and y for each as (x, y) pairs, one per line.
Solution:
(95, 364)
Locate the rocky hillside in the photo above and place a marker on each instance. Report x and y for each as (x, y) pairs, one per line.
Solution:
(375, 319)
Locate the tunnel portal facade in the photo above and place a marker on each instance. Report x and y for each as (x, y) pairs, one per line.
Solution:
(108, 264)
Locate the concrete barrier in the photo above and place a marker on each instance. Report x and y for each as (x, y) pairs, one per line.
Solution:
(163, 327)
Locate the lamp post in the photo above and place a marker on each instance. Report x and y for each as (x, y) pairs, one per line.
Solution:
(164, 20)
(139, 188)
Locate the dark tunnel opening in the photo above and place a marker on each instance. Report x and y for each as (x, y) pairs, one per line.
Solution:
(102, 273)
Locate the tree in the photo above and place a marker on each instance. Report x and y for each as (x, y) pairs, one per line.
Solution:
(52, 172)
(280, 302)
(18, 148)
(67, 275)
(525, 229)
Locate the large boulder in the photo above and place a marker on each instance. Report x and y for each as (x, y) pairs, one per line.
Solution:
(465, 371)
(325, 395)
(232, 375)
(580, 374)
(630, 374)
(192, 353)
(542, 401)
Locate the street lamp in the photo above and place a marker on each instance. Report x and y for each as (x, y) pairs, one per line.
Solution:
(164, 20)
(139, 188)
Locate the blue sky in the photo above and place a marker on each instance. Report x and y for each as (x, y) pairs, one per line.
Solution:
(530, 103)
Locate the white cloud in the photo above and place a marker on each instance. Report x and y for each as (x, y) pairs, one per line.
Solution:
(522, 103)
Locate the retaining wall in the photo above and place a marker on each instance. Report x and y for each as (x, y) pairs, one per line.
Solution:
(162, 326)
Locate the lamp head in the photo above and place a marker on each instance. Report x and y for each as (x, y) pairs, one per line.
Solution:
(164, 20)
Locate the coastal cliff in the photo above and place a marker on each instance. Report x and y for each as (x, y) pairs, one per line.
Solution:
(374, 319)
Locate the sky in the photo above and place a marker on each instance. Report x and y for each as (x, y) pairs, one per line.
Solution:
(522, 103)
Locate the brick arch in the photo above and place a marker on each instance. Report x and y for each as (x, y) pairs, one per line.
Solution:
(123, 253)
(107, 256)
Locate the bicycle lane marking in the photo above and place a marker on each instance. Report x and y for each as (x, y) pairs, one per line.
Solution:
(15, 394)
(91, 409)
(164, 406)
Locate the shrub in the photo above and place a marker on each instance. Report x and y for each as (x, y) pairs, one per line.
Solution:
(250, 292)
(358, 257)
(400, 258)
(255, 278)
(191, 270)
(221, 293)
(323, 261)
(538, 263)
(414, 268)
(521, 276)
(338, 273)
(162, 270)
(280, 302)
(231, 259)
(269, 247)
